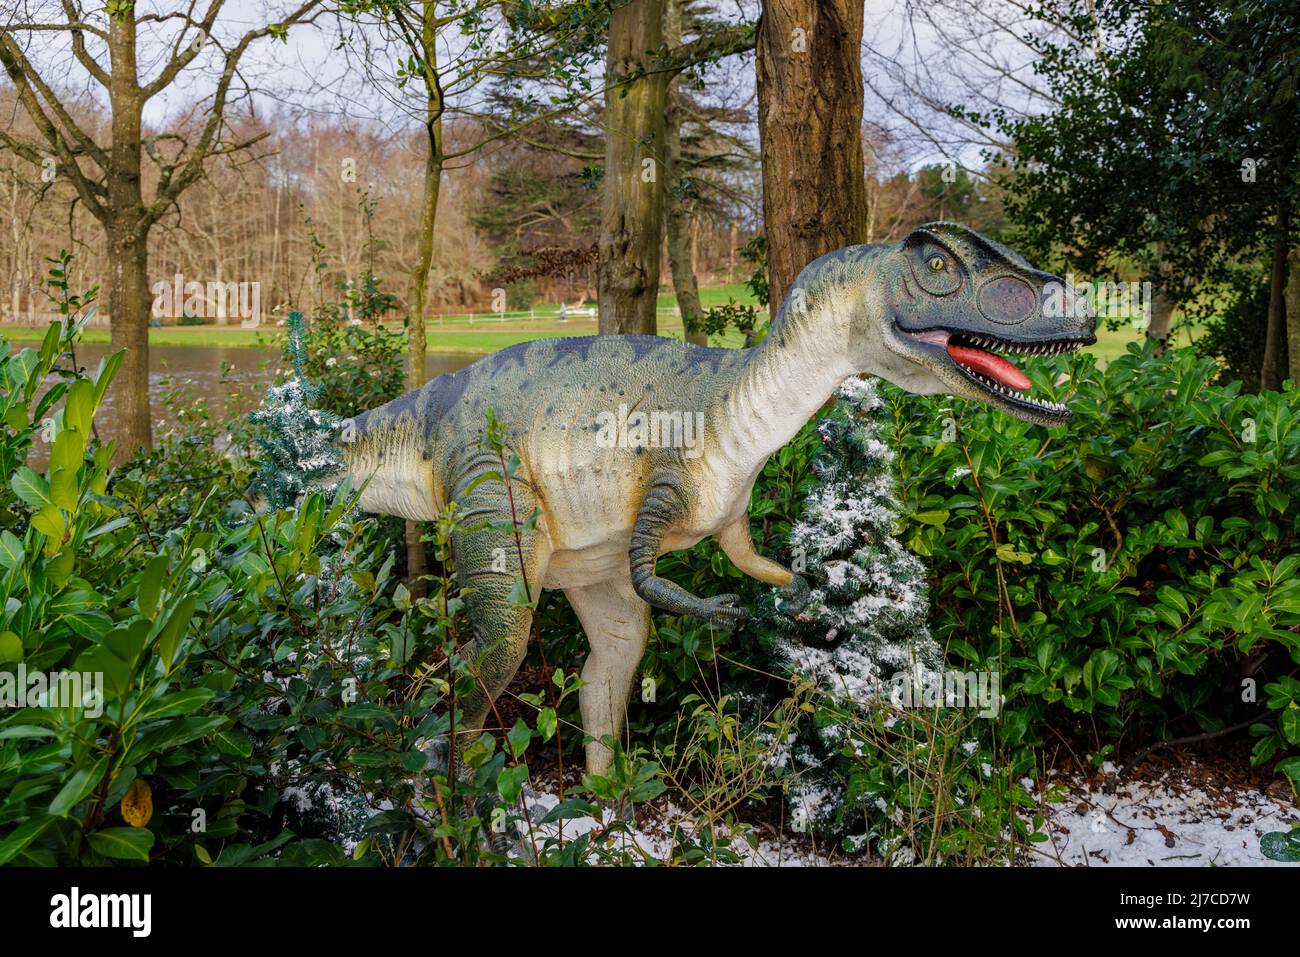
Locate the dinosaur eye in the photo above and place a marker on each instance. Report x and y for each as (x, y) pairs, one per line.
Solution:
(936, 270)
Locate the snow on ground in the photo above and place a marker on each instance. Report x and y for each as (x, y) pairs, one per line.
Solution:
(1172, 819)
(652, 835)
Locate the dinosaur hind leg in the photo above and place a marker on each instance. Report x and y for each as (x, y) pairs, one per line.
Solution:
(617, 622)
(488, 562)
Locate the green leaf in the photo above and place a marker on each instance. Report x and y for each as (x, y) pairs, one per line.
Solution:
(932, 517)
(78, 787)
(79, 408)
(107, 370)
(1173, 598)
(1177, 521)
(1290, 724)
(71, 602)
(123, 843)
(63, 489)
(51, 523)
(388, 822)
(93, 624)
(24, 834)
(11, 550)
(150, 589)
(1291, 768)
(172, 734)
(1008, 553)
(30, 487)
(172, 632)
(546, 723)
(518, 737)
(69, 448)
(511, 781)
(571, 809)
(231, 741)
(1281, 846)
(25, 731)
(118, 679)
(177, 703)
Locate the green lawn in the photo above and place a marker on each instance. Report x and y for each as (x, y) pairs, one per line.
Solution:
(166, 336)
(715, 296)
(1113, 344)
(457, 335)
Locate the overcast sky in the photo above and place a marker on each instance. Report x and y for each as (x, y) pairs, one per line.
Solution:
(905, 60)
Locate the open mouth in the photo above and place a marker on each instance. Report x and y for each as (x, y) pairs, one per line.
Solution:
(979, 358)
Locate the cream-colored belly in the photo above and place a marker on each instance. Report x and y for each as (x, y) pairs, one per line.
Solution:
(591, 505)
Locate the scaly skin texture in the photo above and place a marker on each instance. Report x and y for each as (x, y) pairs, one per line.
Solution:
(609, 506)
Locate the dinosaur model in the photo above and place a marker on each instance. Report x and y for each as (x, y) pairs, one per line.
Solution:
(632, 446)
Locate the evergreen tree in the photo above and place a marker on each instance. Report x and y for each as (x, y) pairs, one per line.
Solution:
(298, 443)
(863, 627)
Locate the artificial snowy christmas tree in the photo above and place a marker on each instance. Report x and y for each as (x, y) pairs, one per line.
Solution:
(862, 632)
(298, 443)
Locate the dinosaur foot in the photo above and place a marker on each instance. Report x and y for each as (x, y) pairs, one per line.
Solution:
(623, 811)
(437, 754)
(791, 597)
(723, 611)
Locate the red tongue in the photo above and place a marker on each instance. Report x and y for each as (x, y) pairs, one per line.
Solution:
(995, 367)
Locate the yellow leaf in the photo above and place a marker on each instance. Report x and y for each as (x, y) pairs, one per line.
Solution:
(137, 804)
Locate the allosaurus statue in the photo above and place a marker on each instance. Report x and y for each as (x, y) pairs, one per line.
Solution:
(613, 491)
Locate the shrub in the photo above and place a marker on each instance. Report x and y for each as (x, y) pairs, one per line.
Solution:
(1131, 575)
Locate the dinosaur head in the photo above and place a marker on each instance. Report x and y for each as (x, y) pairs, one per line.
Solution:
(956, 303)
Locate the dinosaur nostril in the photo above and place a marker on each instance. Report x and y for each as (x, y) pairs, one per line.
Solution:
(1006, 300)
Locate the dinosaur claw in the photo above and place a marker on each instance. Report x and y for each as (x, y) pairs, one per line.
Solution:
(724, 611)
(792, 596)
(437, 753)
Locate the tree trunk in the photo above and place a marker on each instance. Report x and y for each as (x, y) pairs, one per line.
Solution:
(1275, 339)
(1162, 311)
(685, 285)
(128, 307)
(128, 247)
(417, 342)
(1293, 316)
(681, 258)
(627, 274)
(809, 123)
(1162, 303)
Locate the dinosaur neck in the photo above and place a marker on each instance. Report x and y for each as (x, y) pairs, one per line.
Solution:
(787, 378)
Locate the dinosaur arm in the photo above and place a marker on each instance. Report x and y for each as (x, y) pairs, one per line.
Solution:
(664, 503)
(739, 547)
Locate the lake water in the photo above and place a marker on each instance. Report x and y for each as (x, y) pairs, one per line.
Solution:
(197, 373)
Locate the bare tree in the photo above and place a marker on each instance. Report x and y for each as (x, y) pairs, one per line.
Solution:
(107, 44)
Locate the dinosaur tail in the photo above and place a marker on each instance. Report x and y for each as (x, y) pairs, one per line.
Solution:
(385, 452)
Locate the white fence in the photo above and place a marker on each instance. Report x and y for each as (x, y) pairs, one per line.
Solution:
(100, 320)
